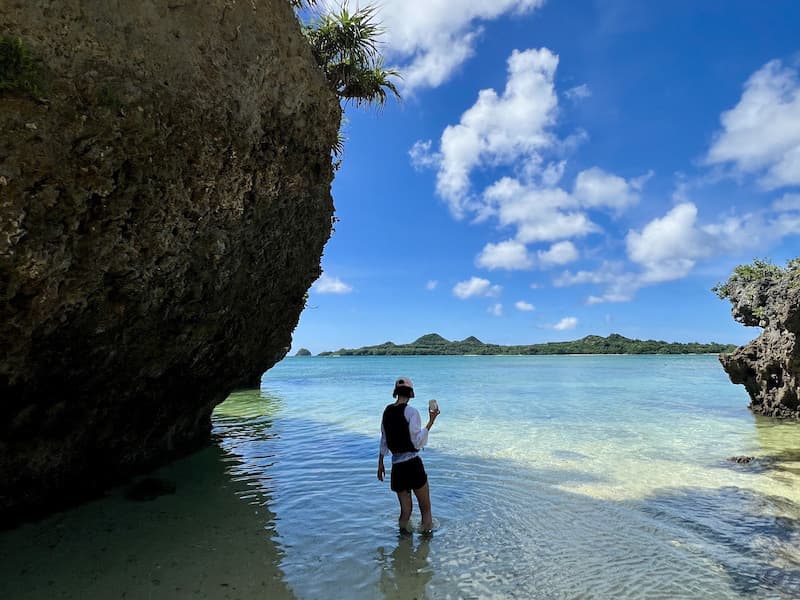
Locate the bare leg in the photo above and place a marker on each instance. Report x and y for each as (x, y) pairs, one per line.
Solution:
(405, 509)
(423, 495)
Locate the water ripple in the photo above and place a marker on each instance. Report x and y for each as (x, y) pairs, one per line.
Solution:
(505, 530)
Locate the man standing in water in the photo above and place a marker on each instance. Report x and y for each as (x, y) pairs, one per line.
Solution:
(402, 434)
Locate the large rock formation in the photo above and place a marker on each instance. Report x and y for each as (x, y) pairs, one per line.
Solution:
(769, 366)
(163, 210)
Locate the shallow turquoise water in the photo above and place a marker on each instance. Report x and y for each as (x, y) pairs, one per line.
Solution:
(551, 477)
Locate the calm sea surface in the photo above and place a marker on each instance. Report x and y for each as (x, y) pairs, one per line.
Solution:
(551, 477)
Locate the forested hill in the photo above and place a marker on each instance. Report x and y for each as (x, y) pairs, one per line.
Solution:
(433, 343)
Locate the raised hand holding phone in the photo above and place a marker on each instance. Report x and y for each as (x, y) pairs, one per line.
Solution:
(433, 412)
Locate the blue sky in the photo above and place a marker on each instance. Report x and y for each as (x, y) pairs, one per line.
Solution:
(564, 168)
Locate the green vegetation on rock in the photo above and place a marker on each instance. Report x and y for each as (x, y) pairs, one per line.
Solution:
(303, 352)
(434, 344)
(18, 70)
(765, 295)
(760, 270)
(345, 46)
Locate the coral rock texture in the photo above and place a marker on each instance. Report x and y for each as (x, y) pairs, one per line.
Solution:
(769, 366)
(163, 209)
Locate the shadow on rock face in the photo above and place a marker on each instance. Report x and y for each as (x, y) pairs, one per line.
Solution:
(167, 209)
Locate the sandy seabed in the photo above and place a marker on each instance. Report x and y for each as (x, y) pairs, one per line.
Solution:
(202, 541)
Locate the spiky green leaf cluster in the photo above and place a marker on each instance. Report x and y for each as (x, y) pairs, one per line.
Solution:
(345, 46)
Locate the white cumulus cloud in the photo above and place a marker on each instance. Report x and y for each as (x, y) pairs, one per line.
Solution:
(428, 40)
(500, 128)
(618, 284)
(560, 253)
(514, 131)
(539, 214)
(496, 310)
(669, 246)
(475, 286)
(761, 134)
(596, 188)
(551, 174)
(788, 203)
(510, 255)
(566, 324)
(523, 306)
(331, 285)
(422, 157)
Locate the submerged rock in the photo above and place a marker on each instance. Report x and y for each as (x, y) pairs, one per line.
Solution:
(769, 367)
(163, 209)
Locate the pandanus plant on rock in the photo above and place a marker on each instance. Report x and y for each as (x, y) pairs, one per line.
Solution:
(345, 46)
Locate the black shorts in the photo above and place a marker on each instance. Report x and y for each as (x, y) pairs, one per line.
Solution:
(408, 475)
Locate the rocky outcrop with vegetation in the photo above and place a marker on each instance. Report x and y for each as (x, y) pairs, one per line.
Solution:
(165, 175)
(767, 296)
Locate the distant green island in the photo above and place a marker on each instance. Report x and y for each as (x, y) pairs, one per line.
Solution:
(433, 344)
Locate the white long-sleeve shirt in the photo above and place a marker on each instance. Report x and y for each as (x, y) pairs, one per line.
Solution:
(418, 433)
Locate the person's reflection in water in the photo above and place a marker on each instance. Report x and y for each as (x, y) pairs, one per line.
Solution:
(405, 571)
